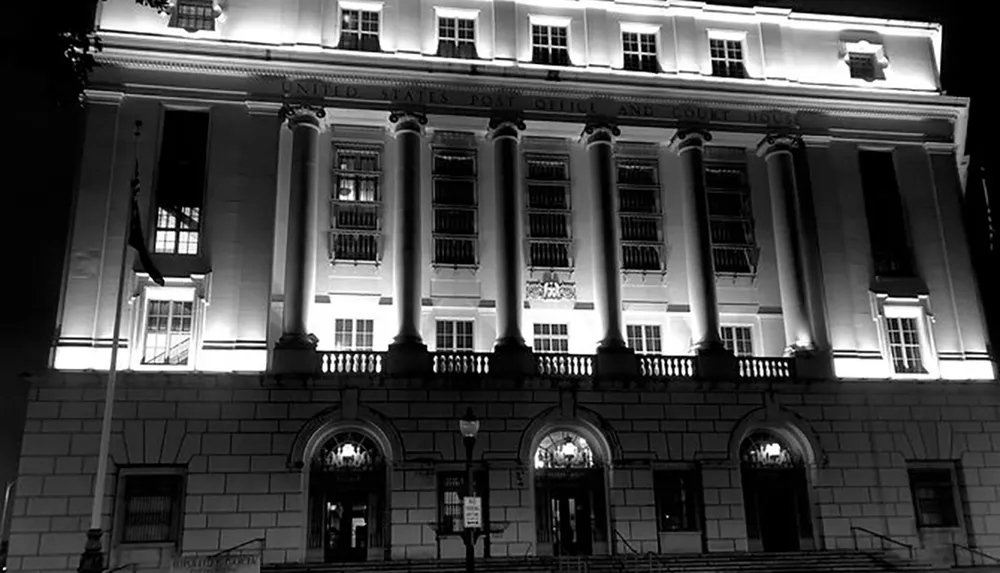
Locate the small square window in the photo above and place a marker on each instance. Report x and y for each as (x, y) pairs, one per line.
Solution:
(933, 491)
(455, 335)
(550, 45)
(640, 52)
(457, 38)
(151, 508)
(738, 339)
(359, 30)
(644, 338)
(862, 65)
(353, 334)
(727, 58)
(194, 15)
(551, 338)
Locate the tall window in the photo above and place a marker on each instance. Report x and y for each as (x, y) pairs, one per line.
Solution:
(727, 58)
(169, 326)
(730, 211)
(455, 335)
(359, 30)
(639, 215)
(356, 203)
(640, 52)
(548, 210)
(457, 38)
(180, 187)
(193, 15)
(678, 495)
(151, 508)
(551, 338)
(738, 339)
(451, 490)
(887, 229)
(456, 235)
(903, 334)
(644, 338)
(353, 334)
(549, 45)
(933, 491)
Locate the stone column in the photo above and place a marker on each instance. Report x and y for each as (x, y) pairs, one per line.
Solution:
(295, 351)
(614, 358)
(408, 353)
(777, 152)
(511, 356)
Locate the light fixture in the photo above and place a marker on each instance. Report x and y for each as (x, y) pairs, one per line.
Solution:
(468, 425)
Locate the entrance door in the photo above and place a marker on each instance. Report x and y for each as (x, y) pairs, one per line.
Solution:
(572, 531)
(777, 507)
(347, 520)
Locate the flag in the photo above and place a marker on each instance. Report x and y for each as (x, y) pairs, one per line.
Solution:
(135, 238)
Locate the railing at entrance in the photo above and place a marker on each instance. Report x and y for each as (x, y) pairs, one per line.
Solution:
(973, 554)
(882, 538)
(633, 560)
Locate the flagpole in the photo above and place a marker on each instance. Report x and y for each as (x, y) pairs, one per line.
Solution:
(92, 560)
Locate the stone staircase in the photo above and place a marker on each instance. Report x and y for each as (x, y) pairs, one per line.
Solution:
(839, 561)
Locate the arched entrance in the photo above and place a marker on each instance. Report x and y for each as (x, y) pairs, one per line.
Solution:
(570, 504)
(775, 494)
(346, 499)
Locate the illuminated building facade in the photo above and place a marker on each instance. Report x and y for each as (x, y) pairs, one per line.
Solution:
(700, 272)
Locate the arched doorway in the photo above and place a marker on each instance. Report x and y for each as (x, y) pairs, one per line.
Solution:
(570, 504)
(346, 499)
(775, 494)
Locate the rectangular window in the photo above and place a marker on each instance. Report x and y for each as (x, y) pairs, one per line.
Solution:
(640, 52)
(548, 212)
(456, 234)
(353, 334)
(644, 338)
(862, 65)
(151, 508)
(678, 495)
(903, 338)
(180, 186)
(359, 30)
(933, 491)
(457, 38)
(730, 211)
(738, 339)
(553, 338)
(639, 215)
(451, 490)
(455, 335)
(727, 58)
(887, 229)
(356, 204)
(549, 45)
(169, 326)
(193, 15)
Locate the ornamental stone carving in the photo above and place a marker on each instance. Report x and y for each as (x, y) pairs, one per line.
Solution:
(550, 287)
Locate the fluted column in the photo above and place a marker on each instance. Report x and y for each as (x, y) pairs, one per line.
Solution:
(777, 153)
(296, 342)
(689, 144)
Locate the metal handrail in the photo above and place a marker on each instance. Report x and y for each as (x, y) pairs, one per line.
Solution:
(972, 554)
(627, 544)
(881, 536)
(120, 567)
(260, 540)
(649, 556)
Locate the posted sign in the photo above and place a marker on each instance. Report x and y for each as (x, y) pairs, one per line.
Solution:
(473, 514)
(221, 564)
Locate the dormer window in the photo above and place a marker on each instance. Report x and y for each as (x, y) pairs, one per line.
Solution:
(865, 60)
(359, 30)
(862, 66)
(457, 37)
(194, 15)
(639, 51)
(550, 45)
(726, 54)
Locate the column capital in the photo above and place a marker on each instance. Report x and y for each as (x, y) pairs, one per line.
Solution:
(405, 121)
(300, 113)
(778, 142)
(600, 131)
(689, 138)
(505, 126)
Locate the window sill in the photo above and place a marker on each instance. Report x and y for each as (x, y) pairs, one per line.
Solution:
(148, 545)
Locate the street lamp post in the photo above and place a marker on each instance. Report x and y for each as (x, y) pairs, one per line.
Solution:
(468, 425)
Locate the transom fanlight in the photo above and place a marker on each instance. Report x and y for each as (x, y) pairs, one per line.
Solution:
(348, 451)
(563, 450)
(765, 450)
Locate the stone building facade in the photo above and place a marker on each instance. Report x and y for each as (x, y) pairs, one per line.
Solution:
(706, 288)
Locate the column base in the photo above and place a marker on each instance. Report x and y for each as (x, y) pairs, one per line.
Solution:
(92, 558)
(408, 358)
(713, 361)
(813, 364)
(512, 359)
(295, 355)
(615, 362)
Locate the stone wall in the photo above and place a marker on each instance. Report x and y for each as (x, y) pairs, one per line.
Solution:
(237, 435)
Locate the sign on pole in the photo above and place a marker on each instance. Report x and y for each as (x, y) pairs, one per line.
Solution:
(473, 514)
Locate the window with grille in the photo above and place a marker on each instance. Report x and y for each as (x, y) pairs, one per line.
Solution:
(180, 186)
(456, 234)
(905, 351)
(457, 38)
(738, 339)
(727, 58)
(639, 215)
(359, 30)
(455, 335)
(933, 491)
(551, 338)
(548, 212)
(151, 508)
(550, 45)
(353, 334)
(730, 211)
(640, 52)
(644, 338)
(888, 231)
(356, 204)
(194, 15)
(169, 327)
(451, 490)
(678, 499)
(862, 66)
